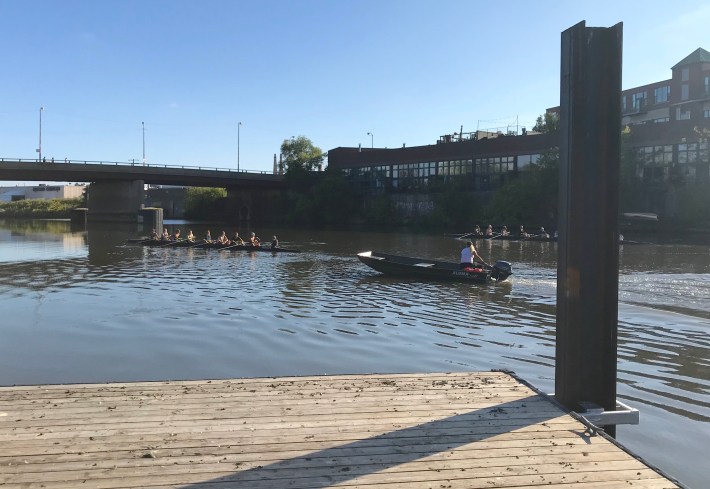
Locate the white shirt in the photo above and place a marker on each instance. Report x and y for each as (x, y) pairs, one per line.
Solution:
(466, 255)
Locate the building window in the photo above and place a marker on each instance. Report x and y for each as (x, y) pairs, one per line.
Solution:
(682, 114)
(707, 86)
(685, 74)
(638, 100)
(655, 162)
(524, 161)
(662, 94)
(688, 158)
(661, 120)
(685, 92)
(706, 113)
(623, 103)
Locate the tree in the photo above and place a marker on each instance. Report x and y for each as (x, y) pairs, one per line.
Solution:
(300, 154)
(200, 202)
(532, 197)
(546, 123)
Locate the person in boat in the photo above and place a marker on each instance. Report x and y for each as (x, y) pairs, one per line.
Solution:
(543, 233)
(504, 231)
(154, 235)
(477, 231)
(468, 254)
(208, 237)
(274, 243)
(489, 231)
(523, 233)
(190, 236)
(176, 236)
(254, 241)
(237, 240)
(166, 235)
(223, 239)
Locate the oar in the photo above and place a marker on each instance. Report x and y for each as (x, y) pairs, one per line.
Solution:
(197, 244)
(230, 246)
(171, 243)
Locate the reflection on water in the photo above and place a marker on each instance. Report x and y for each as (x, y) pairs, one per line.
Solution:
(84, 307)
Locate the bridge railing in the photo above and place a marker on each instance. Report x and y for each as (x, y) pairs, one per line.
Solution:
(128, 164)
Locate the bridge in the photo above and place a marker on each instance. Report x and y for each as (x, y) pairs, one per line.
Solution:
(116, 193)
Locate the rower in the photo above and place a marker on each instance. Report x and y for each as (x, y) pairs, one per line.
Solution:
(208, 237)
(254, 240)
(523, 234)
(166, 235)
(190, 236)
(223, 239)
(154, 235)
(176, 236)
(237, 239)
(504, 231)
(489, 230)
(274, 243)
(543, 233)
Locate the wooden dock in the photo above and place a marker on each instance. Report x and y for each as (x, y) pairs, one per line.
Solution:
(456, 430)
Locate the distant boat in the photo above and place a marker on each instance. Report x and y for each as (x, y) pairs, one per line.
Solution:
(405, 266)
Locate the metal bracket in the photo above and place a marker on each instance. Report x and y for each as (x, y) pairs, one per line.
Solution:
(596, 415)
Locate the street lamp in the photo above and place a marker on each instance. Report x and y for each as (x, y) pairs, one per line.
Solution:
(39, 150)
(372, 139)
(143, 127)
(238, 126)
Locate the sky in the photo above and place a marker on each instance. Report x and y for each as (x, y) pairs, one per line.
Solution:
(178, 76)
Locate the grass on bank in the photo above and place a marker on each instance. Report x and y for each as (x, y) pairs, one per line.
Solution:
(39, 208)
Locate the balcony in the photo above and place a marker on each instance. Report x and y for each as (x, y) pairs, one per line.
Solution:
(639, 107)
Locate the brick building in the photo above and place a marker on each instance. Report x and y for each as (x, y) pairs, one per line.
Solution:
(666, 126)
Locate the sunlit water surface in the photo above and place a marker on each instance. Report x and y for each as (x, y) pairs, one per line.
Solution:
(84, 307)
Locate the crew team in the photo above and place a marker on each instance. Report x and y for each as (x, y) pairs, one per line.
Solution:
(223, 239)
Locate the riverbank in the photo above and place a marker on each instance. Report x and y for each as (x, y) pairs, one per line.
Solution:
(39, 208)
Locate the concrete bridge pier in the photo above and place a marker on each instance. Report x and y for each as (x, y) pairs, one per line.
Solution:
(115, 201)
(239, 205)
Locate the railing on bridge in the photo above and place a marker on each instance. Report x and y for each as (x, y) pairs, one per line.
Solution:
(129, 164)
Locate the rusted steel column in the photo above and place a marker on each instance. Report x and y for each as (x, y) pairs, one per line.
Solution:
(588, 247)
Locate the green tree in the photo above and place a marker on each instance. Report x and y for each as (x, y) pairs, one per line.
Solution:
(533, 196)
(300, 154)
(547, 123)
(201, 202)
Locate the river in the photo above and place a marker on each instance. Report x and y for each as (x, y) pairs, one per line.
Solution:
(82, 306)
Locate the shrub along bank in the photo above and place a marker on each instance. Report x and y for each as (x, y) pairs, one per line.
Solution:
(39, 208)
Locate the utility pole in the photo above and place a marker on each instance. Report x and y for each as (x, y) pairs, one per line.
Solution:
(238, 126)
(39, 150)
(143, 124)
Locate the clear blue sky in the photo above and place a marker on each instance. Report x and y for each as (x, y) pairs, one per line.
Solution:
(407, 71)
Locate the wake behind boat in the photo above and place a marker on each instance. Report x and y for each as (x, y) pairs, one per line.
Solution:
(405, 266)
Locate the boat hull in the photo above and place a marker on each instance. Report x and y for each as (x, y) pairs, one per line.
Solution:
(214, 246)
(421, 268)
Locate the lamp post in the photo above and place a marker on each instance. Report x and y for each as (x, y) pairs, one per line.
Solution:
(372, 139)
(39, 150)
(143, 125)
(238, 126)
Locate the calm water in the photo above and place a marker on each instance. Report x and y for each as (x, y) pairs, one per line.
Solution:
(83, 307)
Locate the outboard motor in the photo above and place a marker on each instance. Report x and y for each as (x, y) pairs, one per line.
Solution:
(501, 270)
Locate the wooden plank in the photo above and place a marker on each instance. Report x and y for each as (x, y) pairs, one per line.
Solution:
(404, 430)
